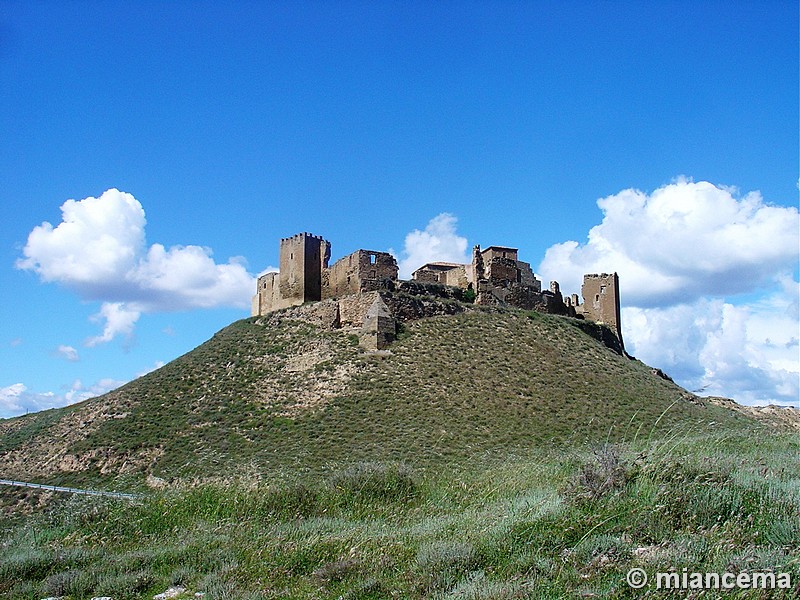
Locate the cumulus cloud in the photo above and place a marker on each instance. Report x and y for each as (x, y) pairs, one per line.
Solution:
(119, 320)
(67, 352)
(748, 352)
(9, 399)
(684, 254)
(439, 242)
(99, 251)
(17, 399)
(684, 241)
(79, 392)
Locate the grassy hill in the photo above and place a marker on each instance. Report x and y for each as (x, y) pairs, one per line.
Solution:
(492, 455)
(274, 394)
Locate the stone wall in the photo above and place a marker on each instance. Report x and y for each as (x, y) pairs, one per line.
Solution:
(352, 309)
(267, 296)
(526, 276)
(453, 274)
(492, 252)
(456, 277)
(426, 275)
(502, 271)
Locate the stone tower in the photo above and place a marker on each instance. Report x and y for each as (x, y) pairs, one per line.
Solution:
(601, 300)
(303, 258)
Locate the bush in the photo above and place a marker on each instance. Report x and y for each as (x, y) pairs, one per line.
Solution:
(125, 585)
(76, 583)
(477, 587)
(25, 563)
(369, 589)
(606, 473)
(335, 570)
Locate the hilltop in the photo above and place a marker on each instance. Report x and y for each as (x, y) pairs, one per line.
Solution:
(275, 393)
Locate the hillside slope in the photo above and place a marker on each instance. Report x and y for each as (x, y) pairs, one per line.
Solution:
(275, 393)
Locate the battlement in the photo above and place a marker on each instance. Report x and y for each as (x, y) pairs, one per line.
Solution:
(305, 234)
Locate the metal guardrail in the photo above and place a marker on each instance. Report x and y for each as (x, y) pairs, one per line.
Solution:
(69, 490)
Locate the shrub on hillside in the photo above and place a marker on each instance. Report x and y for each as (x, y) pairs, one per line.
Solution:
(606, 473)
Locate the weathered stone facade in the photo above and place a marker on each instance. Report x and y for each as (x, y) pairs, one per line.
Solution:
(601, 300)
(361, 271)
(445, 273)
(380, 327)
(361, 291)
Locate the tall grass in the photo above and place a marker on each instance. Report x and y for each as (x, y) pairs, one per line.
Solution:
(546, 525)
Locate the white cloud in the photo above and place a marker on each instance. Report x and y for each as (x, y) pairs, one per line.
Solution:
(17, 399)
(438, 243)
(9, 399)
(119, 320)
(67, 352)
(683, 254)
(99, 250)
(747, 352)
(98, 241)
(684, 241)
(157, 365)
(79, 392)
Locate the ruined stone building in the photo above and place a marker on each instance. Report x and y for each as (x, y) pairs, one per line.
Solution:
(360, 290)
(306, 277)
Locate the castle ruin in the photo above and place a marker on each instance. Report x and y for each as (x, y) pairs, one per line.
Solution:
(359, 290)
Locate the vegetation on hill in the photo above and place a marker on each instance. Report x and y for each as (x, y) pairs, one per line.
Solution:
(489, 455)
(276, 394)
(555, 525)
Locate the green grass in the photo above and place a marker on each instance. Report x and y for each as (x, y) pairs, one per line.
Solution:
(554, 524)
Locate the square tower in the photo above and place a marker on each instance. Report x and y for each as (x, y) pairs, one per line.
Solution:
(303, 257)
(601, 300)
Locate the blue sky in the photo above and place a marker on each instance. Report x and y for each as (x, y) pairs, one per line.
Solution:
(657, 139)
